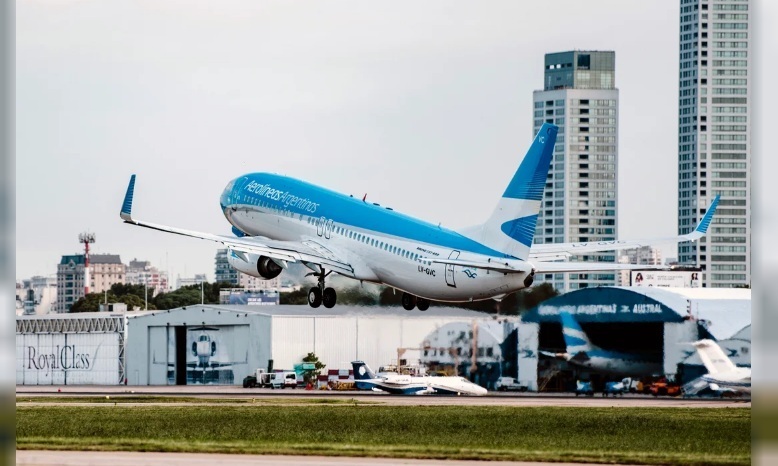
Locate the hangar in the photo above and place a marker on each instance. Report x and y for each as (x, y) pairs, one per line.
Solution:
(60, 349)
(215, 344)
(658, 323)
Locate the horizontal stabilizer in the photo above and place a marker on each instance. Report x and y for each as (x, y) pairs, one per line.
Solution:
(560, 267)
(554, 251)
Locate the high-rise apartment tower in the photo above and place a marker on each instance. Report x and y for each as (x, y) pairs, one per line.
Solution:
(580, 199)
(714, 137)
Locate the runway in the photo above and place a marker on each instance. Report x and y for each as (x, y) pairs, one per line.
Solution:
(124, 458)
(28, 394)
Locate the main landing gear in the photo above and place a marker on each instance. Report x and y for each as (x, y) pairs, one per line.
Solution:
(319, 295)
(410, 301)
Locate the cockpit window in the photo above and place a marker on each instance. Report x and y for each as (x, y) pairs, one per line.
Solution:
(203, 338)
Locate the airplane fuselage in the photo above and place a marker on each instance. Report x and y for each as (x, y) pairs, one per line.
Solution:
(617, 364)
(739, 381)
(381, 245)
(405, 385)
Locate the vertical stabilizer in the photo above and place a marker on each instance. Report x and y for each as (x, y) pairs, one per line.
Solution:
(362, 371)
(511, 227)
(713, 357)
(575, 338)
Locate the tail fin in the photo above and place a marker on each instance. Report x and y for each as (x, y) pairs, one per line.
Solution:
(362, 371)
(713, 357)
(511, 227)
(575, 338)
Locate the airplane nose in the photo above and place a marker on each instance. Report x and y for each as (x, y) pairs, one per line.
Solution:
(226, 196)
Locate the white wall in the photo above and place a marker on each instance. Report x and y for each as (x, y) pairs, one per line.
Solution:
(67, 359)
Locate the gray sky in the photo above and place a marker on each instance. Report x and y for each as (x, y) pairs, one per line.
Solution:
(424, 106)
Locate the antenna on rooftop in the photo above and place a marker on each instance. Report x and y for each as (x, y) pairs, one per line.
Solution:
(86, 239)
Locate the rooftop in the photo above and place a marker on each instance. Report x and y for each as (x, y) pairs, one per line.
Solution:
(286, 310)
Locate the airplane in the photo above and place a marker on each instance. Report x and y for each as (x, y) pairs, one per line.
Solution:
(401, 384)
(723, 374)
(581, 352)
(277, 220)
(203, 350)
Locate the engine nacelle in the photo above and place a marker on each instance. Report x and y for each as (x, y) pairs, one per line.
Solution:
(256, 266)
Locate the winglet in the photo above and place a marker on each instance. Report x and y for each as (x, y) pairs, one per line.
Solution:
(702, 227)
(126, 213)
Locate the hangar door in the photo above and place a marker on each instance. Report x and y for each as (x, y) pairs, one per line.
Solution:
(202, 354)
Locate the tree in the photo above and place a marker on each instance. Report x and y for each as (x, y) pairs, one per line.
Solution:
(294, 297)
(537, 294)
(132, 301)
(185, 296)
(390, 297)
(312, 375)
(122, 289)
(356, 296)
(91, 302)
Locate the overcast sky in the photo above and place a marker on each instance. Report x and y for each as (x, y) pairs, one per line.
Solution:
(424, 106)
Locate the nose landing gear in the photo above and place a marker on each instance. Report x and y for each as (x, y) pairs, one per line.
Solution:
(320, 294)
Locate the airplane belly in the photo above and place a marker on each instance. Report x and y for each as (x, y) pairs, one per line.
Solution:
(432, 282)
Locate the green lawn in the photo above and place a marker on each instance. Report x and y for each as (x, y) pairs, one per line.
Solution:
(627, 435)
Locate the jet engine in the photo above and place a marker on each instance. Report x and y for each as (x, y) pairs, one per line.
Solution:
(256, 265)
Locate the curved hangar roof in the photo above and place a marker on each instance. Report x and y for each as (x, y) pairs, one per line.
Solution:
(726, 310)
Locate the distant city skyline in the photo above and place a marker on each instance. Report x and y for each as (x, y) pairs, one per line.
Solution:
(421, 106)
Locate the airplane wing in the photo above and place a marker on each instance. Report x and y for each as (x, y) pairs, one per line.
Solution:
(548, 252)
(308, 251)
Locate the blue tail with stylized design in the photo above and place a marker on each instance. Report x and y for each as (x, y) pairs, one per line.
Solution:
(362, 371)
(575, 338)
(511, 227)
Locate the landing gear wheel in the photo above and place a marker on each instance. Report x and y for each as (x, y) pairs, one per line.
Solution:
(329, 297)
(422, 304)
(314, 297)
(409, 301)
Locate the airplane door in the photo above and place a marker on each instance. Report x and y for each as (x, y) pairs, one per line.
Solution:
(450, 270)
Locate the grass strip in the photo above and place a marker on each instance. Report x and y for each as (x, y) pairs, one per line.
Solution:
(626, 435)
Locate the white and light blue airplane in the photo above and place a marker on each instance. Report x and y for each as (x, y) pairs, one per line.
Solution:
(581, 352)
(723, 374)
(401, 384)
(277, 220)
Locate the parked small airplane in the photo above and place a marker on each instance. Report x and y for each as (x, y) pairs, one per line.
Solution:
(723, 374)
(401, 384)
(581, 352)
(277, 220)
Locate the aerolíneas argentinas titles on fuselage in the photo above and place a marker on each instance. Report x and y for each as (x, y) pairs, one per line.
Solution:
(277, 220)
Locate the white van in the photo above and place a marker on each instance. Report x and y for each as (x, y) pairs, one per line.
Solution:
(509, 383)
(283, 380)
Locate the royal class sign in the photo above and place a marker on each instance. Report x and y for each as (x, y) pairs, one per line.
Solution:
(67, 359)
